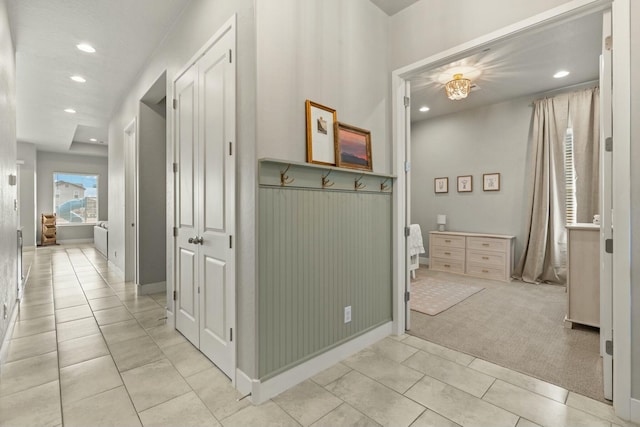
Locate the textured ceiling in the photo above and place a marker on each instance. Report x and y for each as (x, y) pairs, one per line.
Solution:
(515, 67)
(46, 32)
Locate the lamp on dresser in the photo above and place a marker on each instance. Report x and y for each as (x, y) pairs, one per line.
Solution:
(441, 220)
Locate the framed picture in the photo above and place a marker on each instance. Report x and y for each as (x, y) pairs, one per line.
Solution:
(441, 185)
(465, 184)
(491, 182)
(320, 133)
(353, 147)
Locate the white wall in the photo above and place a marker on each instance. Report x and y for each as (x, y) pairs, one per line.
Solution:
(8, 193)
(48, 164)
(431, 26)
(198, 22)
(489, 139)
(333, 52)
(27, 199)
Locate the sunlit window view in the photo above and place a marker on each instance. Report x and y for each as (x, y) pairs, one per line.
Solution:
(75, 198)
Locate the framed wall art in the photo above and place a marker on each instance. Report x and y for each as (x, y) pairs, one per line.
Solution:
(491, 182)
(465, 184)
(320, 133)
(441, 185)
(353, 147)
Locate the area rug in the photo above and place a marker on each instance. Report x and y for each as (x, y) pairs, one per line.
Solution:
(432, 296)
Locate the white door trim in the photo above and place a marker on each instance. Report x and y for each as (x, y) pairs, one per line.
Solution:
(621, 106)
(131, 255)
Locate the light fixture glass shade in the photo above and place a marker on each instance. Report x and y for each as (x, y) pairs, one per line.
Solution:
(458, 88)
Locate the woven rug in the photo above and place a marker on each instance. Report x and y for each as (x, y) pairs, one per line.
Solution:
(432, 296)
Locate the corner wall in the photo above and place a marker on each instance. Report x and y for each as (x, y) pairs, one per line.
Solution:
(8, 193)
(48, 164)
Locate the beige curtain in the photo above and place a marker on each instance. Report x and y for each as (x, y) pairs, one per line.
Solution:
(545, 248)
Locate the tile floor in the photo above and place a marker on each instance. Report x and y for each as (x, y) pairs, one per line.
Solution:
(87, 351)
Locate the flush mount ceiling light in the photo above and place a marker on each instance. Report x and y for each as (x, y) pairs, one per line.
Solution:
(70, 111)
(560, 74)
(86, 48)
(424, 109)
(93, 140)
(458, 88)
(78, 79)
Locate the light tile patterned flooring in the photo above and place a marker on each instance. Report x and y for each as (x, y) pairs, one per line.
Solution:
(87, 351)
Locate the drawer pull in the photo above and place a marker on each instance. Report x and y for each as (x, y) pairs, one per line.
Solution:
(485, 257)
(485, 244)
(447, 265)
(485, 271)
(447, 241)
(447, 253)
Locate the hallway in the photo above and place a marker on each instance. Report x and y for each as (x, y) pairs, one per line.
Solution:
(87, 351)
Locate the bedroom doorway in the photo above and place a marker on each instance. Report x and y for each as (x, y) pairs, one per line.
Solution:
(131, 202)
(404, 81)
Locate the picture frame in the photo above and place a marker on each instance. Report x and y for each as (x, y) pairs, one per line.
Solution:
(441, 185)
(353, 147)
(491, 182)
(465, 184)
(320, 133)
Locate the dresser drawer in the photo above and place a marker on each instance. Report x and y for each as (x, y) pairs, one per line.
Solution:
(447, 265)
(447, 241)
(488, 272)
(486, 258)
(447, 253)
(487, 244)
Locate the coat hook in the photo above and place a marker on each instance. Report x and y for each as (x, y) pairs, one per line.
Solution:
(359, 185)
(325, 180)
(284, 179)
(383, 185)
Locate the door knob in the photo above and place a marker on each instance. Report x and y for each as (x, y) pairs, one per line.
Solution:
(192, 240)
(199, 240)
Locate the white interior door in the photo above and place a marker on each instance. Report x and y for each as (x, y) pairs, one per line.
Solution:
(131, 203)
(407, 222)
(606, 192)
(205, 204)
(186, 268)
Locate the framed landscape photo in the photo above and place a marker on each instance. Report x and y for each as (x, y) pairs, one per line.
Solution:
(320, 133)
(491, 182)
(353, 147)
(465, 184)
(441, 185)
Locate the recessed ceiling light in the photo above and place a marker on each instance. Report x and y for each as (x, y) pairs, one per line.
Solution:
(78, 79)
(561, 74)
(70, 111)
(93, 140)
(86, 48)
(424, 109)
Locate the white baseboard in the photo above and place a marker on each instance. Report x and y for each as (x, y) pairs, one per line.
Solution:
(171, 319)
(263, 391)
(634, 412)
(152, 288)
(4, 346)
(115, 269)
(424, 260)
(74, 241)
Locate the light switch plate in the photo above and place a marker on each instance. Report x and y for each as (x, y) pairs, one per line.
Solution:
(347, 314)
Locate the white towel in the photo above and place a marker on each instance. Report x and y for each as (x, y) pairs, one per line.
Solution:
(415, 240)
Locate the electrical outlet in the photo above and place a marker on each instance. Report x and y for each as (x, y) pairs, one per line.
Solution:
(347, 314)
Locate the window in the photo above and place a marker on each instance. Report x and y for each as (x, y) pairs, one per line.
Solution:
(570, 178)
(76, 198)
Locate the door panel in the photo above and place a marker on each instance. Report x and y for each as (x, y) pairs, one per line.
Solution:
(186, 132)
(216, 255)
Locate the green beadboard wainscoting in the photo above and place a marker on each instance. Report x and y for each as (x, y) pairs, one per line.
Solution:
(320, 250)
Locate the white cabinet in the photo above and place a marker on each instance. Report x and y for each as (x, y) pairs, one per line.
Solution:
(583, 275)
(475, 254)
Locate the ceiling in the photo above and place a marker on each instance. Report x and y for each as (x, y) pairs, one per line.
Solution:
(46, 32)
(391, 7)
(515, 67)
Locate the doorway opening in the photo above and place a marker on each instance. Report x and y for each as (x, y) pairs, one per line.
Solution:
(459, 144)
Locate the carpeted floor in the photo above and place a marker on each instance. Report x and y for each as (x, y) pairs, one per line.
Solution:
(519, 326)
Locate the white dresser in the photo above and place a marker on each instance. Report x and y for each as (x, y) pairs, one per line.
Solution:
(475, 254)
(583, 275)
